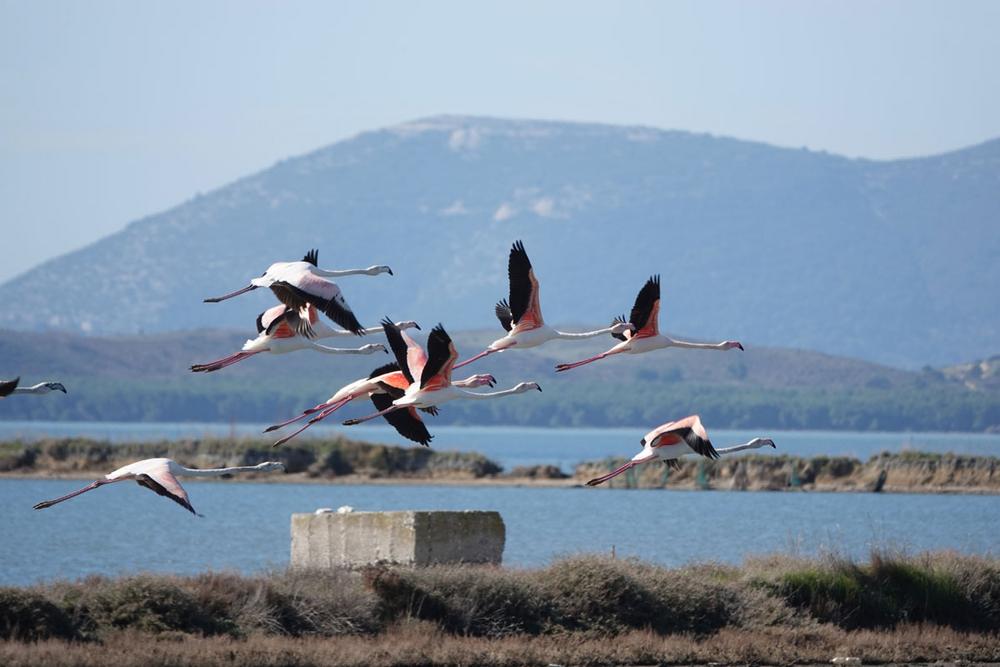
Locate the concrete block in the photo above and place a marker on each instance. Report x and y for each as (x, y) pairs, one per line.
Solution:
(356, 539)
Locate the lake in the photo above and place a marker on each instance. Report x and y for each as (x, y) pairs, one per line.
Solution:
(122, 528)
(511, 446)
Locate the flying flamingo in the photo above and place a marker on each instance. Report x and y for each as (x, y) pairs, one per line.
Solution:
(675, 439)
(644, 318)
(160, 476)
(8, 387)
(521, 316)
(297, 284)
(277, 334)
(382, 386)
(433, 369)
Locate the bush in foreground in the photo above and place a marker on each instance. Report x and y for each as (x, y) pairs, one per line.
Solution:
(588, 596)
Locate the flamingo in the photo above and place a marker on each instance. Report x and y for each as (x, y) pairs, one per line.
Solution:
(521, 316)
(644, 319)
(433, 369)
(277, 335)
(297, 284)
(160, 476)
(9, 387)
(675, 439)
(382, 386)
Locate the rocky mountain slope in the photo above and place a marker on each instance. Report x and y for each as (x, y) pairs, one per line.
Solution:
(888, 261)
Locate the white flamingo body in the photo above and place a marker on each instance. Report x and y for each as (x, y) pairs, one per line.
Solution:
(429, 375)
(160, 476)
(521, 313)
(644, 332)
(381, 381)
(675, 439)
(277, 335)
(303, 283)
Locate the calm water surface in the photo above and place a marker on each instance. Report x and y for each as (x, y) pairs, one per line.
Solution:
(122, 528)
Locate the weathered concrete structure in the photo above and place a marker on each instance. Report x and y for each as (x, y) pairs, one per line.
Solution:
(355, 539)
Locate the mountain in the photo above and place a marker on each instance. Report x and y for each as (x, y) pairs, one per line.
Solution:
(893, 261)
(146, 378)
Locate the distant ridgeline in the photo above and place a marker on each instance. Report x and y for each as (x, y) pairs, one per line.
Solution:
(892, 261)
(146, 378)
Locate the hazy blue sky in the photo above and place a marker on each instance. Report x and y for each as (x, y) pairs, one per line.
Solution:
(113, 110)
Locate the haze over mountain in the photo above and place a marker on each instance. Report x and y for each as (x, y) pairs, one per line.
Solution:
(890, 261)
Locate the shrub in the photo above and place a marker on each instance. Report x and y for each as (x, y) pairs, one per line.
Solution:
(29, 616)
(593, 593)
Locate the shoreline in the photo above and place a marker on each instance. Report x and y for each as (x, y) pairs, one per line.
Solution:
(508, 482)
(340, 461)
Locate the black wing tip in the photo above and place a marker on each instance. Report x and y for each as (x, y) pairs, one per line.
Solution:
(439, 330)
(312, 257)
(382, 370)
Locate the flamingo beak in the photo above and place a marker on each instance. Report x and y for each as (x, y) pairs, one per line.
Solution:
(740, 345)
(216, 299)
(538, 388)
(390, 271)
(417, 327)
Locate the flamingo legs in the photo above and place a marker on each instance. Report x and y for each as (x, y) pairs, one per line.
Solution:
(482, 354)
(90, 487)
(620, 470)
(324, 409)
(222, 363)
(566, 367)
(376, 415)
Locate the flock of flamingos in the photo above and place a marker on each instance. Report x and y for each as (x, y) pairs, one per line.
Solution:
(419, 380)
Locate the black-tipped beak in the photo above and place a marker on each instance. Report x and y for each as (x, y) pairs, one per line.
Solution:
(740, 345)
(63, 389)
(773, 446)
(417, 327)
(385, 350)
(538, 388)
(390, 271)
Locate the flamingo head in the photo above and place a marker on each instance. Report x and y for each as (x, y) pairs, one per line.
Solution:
(762, 442)
(522, 387)
(270, 466)
(377, 269)
(371, 348)
(407, 324)
(55, 386)
(730, 344)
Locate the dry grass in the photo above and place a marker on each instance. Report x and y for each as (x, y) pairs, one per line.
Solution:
(580, 610)
(422, 643)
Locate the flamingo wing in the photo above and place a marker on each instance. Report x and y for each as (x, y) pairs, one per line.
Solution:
(297, 289)
(402, 345)
(646, 310)
(163, 482)
(441, 356)
(312, 257)
(406, 422)
(7, 387)
(525, 308)
(691, 431)
(265, 319)
(502, 310)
